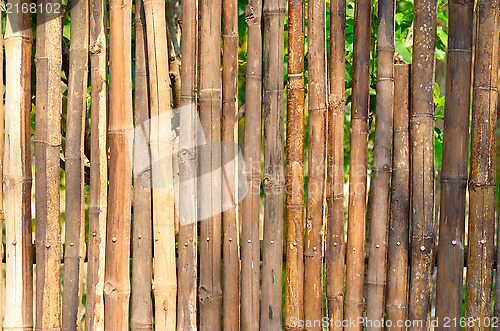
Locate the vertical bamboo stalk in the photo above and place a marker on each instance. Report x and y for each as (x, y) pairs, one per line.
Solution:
(382, 162)
(295, 167)
(355, 255)
(250, 243)
(164, 283)
(74, 254)
(273, 181)
(210, 192)
(47, 159)
(231, 256)
(422, 161)
(141, 317)
(17, 178)
(2, 160)
(482, 181)
(449, 287)
(335, 249)
(188, 172)
(94, 315)
(397, 250)
(318, 111)
(117, 278)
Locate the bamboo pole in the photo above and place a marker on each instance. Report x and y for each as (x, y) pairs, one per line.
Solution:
(397, 248)
(117, 279)
(47, 159)
(210, 190)
(422, 161)
(141, 317)
(94, 314)
(273, 181)
(188, 172)
(17, 177)
(2, 160)
(335, 248)
(355, 254)
(482, 182)
(250, 247)
(294, 291)
(382, 164)
(318, 111)
(449, 287)
(231, 256)
(164, 283)
(74, 254)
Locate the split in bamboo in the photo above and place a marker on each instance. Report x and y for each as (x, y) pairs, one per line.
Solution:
(74, 253)
(47, 160)
(250, 249)
(273, 181)
(17, 177)
(231, 256)
(94, 314)
(449, 287)
(188, 173)
(397, 249)
(295, 166)
(382, 163)
(422, 161)
(355, 254)
(141, 317)
(117, 278)
(335, 249)
(318, 112)
(482, 180)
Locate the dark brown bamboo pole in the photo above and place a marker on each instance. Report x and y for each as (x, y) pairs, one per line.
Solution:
(318, 111)
(295, 167)
(273, 180)
(482, 180)
(250, 243)
(355, 254)
(74, 253)
(422, 161)
(117, 279)
(98, 191)
(382, 164)
(210, 189)
(397, 250)
(188, 172)
(141, 317)
(17, 177)
(449, 286)
(335, 248)
(47, 159)
(231, 254)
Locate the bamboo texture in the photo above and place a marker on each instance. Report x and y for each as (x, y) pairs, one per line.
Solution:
(74, 253)
(141, 317)
(117, 278)
(250, 243)
(47, 159)
(449, 286)
(17, 175)
(188, 172)
(294, 291)
(422, 161)
(397, 248)
(2, 160)
(355, 250)
(273, 181)
(382, 166)
(482, 180)
(98, 190)
(318, 112)
(335, 248)
(231, 256)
